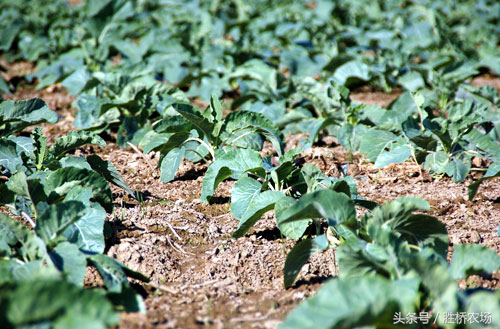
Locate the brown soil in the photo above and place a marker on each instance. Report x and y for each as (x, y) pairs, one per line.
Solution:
(201, 278)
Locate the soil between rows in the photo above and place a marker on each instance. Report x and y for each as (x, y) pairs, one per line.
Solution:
(201, 278)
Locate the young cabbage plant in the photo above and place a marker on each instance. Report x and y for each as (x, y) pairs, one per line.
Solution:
(389, 251)
(64, 199)
(362, 242)
(260, 186)
(207, 136)
(409, 129)
(67, 238)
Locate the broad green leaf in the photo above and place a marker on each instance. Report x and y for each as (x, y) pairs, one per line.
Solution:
(196, 151)
(8, 34)
(164, 143)
(156, 140)
(359, 258)
(399, 111)
(60, 182)
(173, 124)
(89, 110)
(457, 170)
(73, 140)
(188, 111)
(76, 81)
(355, 303)
(232, 164)
(15, 116)
(243, 192)
(56, 218)
(170, 163)
(13, 270)
(398, 154)
(493, 170)
(108, 171)
(412, 81)
(78, 321)
(473, 259)
(257, 70)
(14, 232)
(292, 229)
(290, 155)
(9, 157)
(347, 73)
(299, 255)
(242, 120)
(487, 303)
(35, 270)
(350, 136)
(436, 162)
(259, 205)
(376, 142)
(68, 259)
(4, 87)
(336, 207)
(396, 217)
(87, 232)
(29, 188)
(37, 302)
(111, 272)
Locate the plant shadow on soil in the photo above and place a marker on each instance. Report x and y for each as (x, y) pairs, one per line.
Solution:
(191, 174)
(311, 281)
(219, 200)
(269, 234)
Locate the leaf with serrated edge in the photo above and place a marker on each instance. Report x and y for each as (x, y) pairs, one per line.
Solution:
(73, 140)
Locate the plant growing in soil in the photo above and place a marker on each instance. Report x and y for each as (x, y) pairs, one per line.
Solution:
(207, 136)
(64, 200)
(395, 259)
(289, 67)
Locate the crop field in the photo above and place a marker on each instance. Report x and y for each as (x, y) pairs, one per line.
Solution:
(249, 164)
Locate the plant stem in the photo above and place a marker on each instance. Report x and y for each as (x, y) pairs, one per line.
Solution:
(208, 147)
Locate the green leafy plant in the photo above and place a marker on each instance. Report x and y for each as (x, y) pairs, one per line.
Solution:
(388, 252)
(206, 136)
(63, 200)
(443, 146)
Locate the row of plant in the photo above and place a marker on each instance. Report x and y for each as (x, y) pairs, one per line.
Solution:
(289, 67)
(391, 259)
(266, 54)
(268, 60)
(65, 198)
(61, 203)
